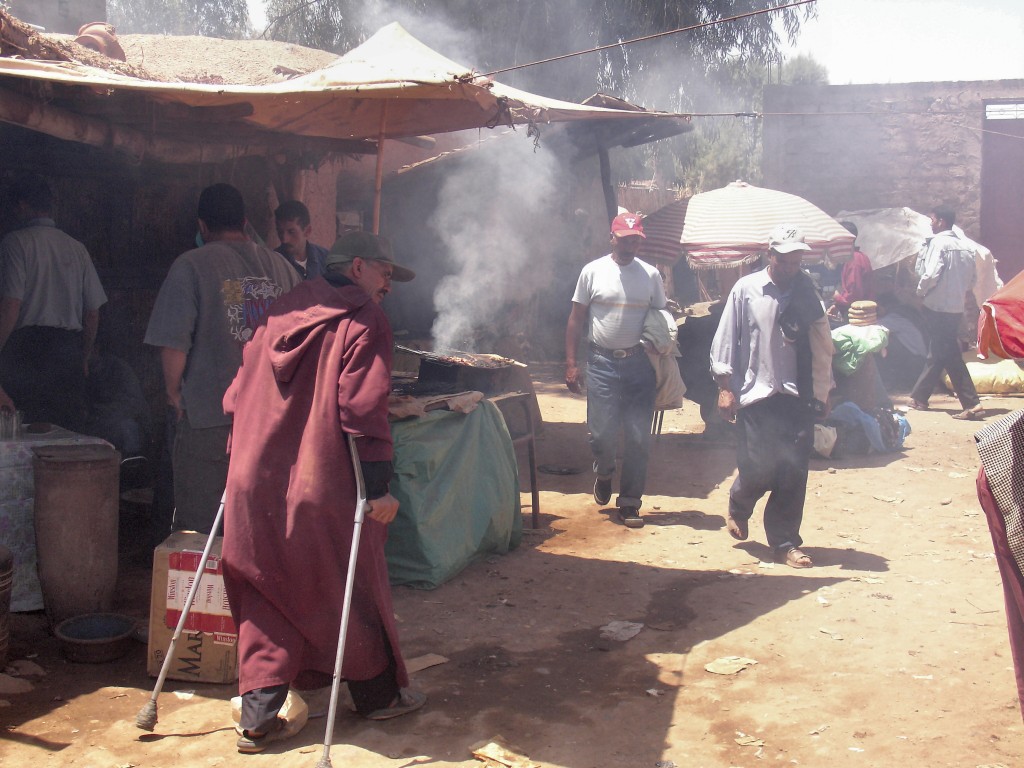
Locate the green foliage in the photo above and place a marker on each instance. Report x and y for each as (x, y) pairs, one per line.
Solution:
(209, 18)
(803, 69)
(503, 34)
(719, 68)
(726, 147)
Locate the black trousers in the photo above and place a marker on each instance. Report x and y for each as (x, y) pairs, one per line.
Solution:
(43, 371)
(261, 706)
(775, 437)
(944, 355)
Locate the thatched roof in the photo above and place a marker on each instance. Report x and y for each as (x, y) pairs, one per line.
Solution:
(170, 58)
(199, 99)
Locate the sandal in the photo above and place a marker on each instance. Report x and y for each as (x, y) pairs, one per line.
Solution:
(407, 701)
(796, 558)
(738, 529)
(250, 745)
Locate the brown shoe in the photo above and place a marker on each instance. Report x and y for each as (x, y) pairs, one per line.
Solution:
(917, 405)
(971, 414)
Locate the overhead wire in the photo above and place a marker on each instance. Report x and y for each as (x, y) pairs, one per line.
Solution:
(653, 36)
(859, 113)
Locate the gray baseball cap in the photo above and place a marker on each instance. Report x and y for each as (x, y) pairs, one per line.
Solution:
(366, 245)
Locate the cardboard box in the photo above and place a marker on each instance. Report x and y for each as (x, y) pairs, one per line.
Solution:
(207, 651)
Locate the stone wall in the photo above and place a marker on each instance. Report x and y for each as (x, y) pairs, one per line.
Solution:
(60, 16)
(852, 147)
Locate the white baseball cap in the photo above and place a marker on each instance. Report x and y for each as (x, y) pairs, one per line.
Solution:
(787, 238)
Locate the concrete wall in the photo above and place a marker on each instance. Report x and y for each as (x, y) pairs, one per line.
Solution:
(850, 147)
(62, 16)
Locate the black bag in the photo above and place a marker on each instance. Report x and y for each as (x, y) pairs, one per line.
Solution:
(890, 428)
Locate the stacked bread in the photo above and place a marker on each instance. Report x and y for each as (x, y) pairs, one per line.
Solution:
(863, 313)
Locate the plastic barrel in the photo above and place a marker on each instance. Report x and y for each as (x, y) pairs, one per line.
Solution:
(6, 580)
(76, 520)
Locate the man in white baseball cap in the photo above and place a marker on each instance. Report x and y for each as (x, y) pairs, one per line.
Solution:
(769, 316)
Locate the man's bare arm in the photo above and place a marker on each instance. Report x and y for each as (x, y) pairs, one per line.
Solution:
(173, 363)
(9, 311)
(90, 324)
(573, 336)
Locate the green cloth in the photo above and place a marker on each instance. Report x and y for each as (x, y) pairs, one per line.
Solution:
(855, 342)
(457, 483)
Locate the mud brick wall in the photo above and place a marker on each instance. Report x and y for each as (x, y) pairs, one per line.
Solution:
(852, 147)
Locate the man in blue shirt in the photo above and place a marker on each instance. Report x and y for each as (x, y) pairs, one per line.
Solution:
(772, 395)
(293, 229)
(946, 273)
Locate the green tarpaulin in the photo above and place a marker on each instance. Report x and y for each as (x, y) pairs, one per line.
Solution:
(457, 483)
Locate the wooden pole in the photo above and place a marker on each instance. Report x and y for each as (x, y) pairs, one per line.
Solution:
(378, 182)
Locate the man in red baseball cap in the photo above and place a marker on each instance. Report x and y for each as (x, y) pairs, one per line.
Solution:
(613, 295)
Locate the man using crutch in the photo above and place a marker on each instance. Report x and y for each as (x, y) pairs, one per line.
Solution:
(316, 372)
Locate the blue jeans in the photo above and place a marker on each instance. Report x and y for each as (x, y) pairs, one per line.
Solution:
(620, 397)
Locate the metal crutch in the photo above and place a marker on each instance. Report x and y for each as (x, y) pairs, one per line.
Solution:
(357, 528)
(147, 717)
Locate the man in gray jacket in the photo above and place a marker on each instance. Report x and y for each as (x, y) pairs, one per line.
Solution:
(946, 273)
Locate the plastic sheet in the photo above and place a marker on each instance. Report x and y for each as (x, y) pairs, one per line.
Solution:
(457, 483)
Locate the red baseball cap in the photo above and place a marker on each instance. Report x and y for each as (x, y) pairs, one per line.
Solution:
(627, 224)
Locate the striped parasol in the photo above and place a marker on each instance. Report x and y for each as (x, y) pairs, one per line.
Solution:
(730, 227)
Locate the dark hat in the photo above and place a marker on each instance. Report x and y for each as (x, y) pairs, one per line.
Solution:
(366, 245)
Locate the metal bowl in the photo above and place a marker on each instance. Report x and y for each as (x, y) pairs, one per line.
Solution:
(94, 638)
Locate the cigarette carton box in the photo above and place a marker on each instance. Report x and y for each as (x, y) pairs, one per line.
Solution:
(207, 651)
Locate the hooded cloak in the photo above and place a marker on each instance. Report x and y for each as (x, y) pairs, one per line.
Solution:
(317, 370)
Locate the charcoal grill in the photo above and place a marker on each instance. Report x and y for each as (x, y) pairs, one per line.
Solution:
(456, 371)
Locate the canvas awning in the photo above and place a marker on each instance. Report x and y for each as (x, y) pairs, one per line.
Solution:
(391, 86)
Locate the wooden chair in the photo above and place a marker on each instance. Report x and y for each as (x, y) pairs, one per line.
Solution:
(517, 410)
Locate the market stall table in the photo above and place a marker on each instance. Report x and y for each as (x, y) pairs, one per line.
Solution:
(17, 496)
(457, 483)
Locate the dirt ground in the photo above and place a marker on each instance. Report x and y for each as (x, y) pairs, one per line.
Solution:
(891, 651)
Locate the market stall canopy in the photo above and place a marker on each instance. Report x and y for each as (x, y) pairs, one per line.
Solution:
(890, 236)
(1001, 325)
(391, 86)
(731, 226)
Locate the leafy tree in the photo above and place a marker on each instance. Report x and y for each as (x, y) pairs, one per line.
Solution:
(803, 69)
(209, 18)
(495, 35)
(727, 146)
(712, 68)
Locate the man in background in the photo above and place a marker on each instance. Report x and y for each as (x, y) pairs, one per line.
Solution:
(293, 229)
(50, 297)
(209, 305)
(612, 298)
(772, 360)
(946, 273)
(857, 283)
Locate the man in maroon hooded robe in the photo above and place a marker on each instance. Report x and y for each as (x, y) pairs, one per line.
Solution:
(317, 371)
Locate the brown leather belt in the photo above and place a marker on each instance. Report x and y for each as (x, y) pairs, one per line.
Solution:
(617, 354)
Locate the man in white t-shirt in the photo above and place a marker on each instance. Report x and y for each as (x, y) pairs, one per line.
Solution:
(50, 299)
(612, 298)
